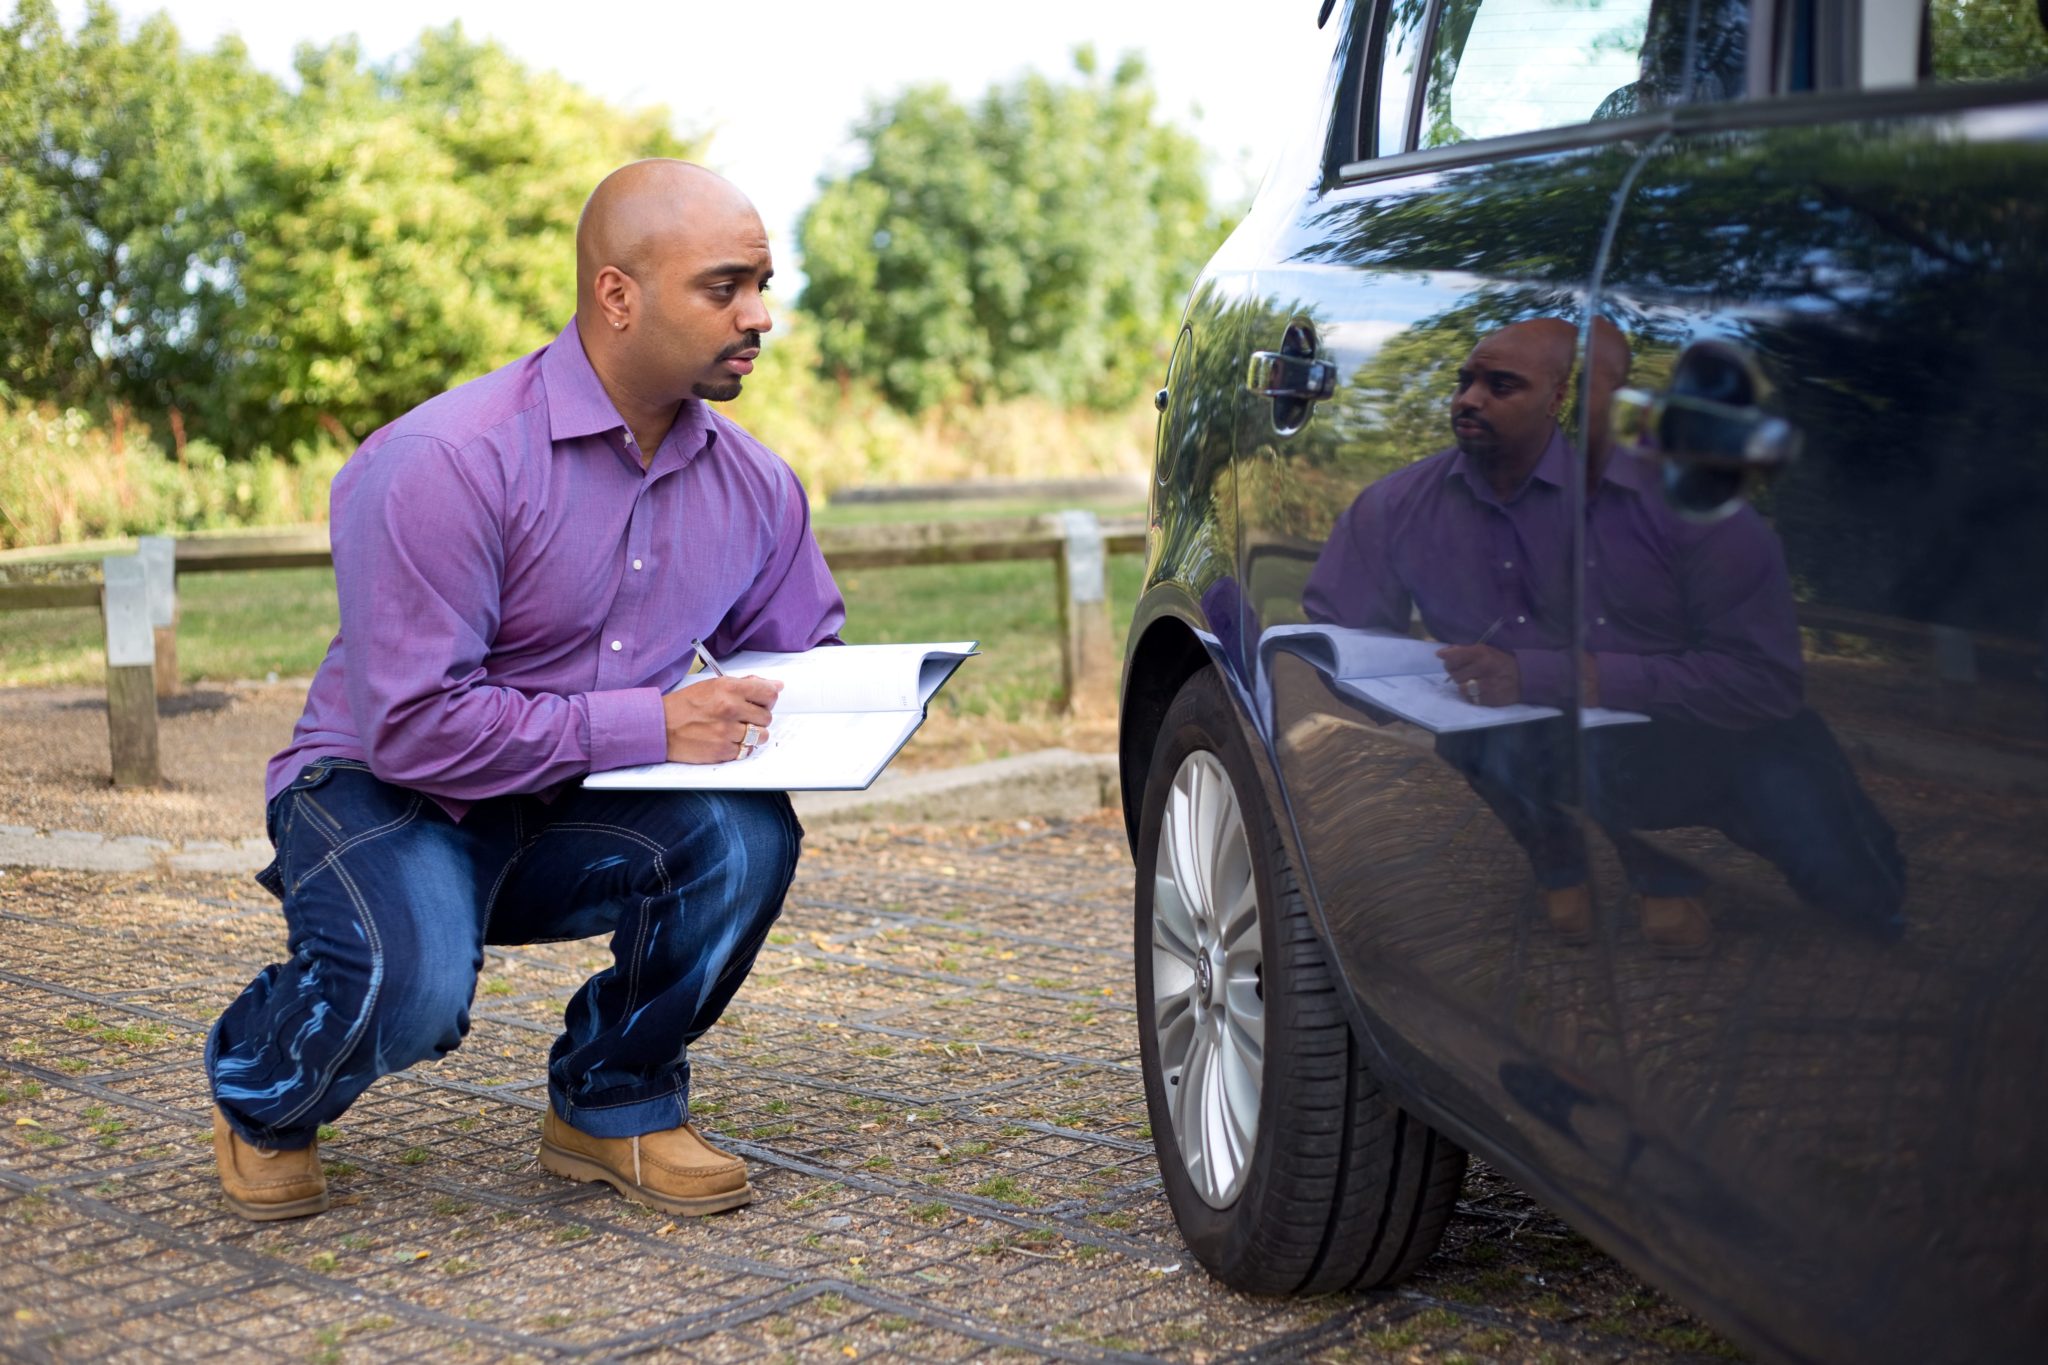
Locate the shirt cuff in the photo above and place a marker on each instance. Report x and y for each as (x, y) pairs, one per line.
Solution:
(627, 728)
(1546, 676)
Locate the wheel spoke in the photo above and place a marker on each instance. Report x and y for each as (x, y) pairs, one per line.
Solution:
(1175, 1017)
(1173, 928)
(1244, 1067)
(1188, 1121)
(1240, 917)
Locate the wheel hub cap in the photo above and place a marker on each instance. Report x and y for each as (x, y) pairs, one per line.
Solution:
(1208, 985)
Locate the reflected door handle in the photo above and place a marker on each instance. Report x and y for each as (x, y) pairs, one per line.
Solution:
(1276, 374)
(1714, 454)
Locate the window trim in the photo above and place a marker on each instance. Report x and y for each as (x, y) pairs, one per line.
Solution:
(1723, 116)
(1775, 109)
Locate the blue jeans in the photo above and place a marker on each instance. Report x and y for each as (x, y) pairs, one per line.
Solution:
(389, 904)
(1784, 791)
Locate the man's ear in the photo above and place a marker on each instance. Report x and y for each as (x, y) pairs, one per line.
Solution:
(617, 295)
(1560, 394)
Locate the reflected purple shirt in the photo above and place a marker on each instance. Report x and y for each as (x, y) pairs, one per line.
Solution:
(516, 591)
(1684, 619)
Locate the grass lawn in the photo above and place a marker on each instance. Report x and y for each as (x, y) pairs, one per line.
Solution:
(246, 625)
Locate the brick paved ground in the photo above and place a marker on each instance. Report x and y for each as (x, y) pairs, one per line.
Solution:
(933, 1073)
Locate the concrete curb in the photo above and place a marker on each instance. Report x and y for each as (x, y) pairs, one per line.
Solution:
(1048, 784)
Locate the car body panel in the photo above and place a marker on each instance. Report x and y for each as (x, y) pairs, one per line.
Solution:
(1821, 1131)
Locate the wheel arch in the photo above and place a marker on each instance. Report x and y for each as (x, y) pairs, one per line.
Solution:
(1164, 655)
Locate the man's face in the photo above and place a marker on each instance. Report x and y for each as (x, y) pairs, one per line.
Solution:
(704, 307)
(1507, 396)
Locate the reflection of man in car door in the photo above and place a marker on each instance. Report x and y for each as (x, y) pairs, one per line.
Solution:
(1690, 623)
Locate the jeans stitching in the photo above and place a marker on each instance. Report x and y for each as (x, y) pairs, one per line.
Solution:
(362, 1020)
(333, 855)
(646, 902)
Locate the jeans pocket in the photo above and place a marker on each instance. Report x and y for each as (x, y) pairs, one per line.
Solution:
(296, 806)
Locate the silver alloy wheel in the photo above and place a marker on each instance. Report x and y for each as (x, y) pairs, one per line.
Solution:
(1208, 991)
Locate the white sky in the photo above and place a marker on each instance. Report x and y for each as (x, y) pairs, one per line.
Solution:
(779, 83)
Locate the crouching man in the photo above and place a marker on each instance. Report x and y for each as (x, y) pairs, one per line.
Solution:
(523, 563)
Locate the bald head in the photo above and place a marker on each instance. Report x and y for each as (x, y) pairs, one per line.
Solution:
(671, 262)
(646, 209)
(1608, 371)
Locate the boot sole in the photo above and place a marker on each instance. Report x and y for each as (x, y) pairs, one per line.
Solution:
(573, 1166)
(271, 1213)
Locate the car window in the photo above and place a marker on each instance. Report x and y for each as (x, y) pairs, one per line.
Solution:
(1515, 66)
(1405, 29)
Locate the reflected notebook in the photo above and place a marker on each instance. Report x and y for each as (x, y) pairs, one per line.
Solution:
(1402, 676)
(844, 713)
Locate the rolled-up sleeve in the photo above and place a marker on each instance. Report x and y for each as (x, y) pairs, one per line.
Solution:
(419, 563)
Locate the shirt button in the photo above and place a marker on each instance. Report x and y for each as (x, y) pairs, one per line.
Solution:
(1521, 620)
(1599, 620)
(616, 646)
(636, 564)
(1507, 563)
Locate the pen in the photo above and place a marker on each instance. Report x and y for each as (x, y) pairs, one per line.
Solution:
(717, 672)
(1498, 622)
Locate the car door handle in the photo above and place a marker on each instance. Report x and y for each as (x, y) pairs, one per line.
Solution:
(1276, 374)
(1713, 454)
(1686, 429)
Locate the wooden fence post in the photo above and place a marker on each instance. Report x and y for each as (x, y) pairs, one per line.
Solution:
(159, 555)
(1084, 610)
(131, 666)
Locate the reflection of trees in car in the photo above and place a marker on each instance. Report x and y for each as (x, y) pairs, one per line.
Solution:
(1987, 40)
(1918, 493)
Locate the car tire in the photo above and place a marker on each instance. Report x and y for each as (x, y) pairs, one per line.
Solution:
(1335, 1186)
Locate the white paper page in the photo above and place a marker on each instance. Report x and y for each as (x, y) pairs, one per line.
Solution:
(1435, 704)
(843, 677)
(807, 752)
(1360, 653)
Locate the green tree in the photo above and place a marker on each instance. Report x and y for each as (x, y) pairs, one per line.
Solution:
(411, 225)
(117, 172)
(1040, 242)
(1987, 40)
(190, 235)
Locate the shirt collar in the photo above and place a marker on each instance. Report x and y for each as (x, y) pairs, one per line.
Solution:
(577, 402)
(1552, 468)
(579, 406)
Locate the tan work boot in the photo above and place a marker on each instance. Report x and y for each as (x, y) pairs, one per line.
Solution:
(1677, 926)
(675, 1171)
(264, 1185)
(1570, 909)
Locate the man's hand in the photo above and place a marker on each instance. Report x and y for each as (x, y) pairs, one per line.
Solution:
(707, 721)
(1483, 674)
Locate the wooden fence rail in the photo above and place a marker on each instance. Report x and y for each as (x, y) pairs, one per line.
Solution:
(137, 596)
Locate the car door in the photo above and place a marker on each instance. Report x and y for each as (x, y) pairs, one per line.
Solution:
(1831, 293)
(1461, 195)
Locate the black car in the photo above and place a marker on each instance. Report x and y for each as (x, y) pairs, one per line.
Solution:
(1586, 705)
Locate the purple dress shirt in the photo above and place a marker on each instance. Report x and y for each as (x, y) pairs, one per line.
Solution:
(1684, 619)
(516, 591)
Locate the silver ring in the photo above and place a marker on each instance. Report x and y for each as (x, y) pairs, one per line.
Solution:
(755, 734)
(1472, 689)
